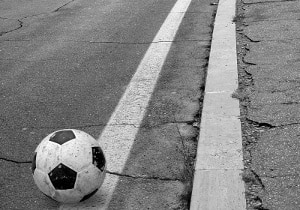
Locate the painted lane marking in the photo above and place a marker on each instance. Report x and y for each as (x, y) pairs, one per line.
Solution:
(218, 183)
(119, 134)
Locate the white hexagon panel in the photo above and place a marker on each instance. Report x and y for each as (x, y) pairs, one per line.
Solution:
(43, 182)
(48, 156)
(68, 196)
(86, 137)
(89, 179)
(77, 154)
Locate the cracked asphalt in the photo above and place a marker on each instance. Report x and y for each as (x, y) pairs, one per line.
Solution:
(268, 57)
(65, 64)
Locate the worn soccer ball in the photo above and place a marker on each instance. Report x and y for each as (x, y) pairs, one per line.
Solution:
(69, 166)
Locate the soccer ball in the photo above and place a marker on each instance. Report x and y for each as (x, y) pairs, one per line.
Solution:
(69, 166)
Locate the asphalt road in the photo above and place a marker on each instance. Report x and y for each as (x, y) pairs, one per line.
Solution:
(268, 37)
(65, 64)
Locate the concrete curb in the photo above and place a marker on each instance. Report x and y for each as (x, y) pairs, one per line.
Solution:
(218, 183)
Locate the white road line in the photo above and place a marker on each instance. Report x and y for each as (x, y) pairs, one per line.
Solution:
(217, 182)
(118, 136)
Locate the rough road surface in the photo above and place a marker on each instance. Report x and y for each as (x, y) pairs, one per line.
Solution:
(269, 66)
(66, 63)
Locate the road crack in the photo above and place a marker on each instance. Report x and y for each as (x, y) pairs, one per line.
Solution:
(279, 176)
(143, 177)
(21, 23)
(145, 126)
(260, 124)
(269, 125)
(59, 8)
(250, 39)
(15, 161)
(267, 2)
(15, 29)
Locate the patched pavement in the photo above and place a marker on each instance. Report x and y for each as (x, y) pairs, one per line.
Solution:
(269, 66)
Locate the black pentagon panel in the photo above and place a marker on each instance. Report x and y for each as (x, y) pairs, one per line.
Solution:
(98, 158)
(33, 164)
(89, 195)
(61, 137)
(63, 177)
